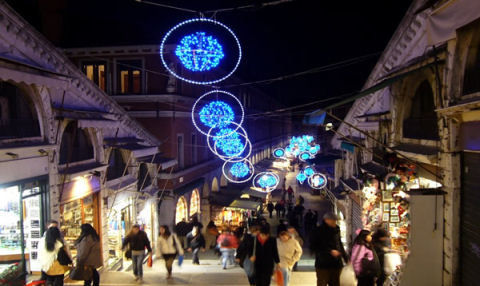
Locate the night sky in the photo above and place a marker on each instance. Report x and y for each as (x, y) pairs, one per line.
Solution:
(276, 40)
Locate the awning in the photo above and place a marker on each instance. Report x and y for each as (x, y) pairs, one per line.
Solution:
(245, 204)
(137, 150)
(197, 184)
(79, 188)
(87, 118)
(253, 193)
(123, 184)
(82, 169)
(164, 162)
(375, 169)
(317, 115)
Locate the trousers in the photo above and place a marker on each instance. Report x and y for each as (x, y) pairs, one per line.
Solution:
(95, 279)
(137, 263)
(328, 276)
(227, 256)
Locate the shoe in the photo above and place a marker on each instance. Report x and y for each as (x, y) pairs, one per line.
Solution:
(224, 268)
(136, 278)
(169, 276)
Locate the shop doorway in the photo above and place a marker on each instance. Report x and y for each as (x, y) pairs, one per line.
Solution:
(181, 210)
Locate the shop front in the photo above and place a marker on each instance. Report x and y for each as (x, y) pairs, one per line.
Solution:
(24, 211)
(181, 210)
(235, 215)
(79, 205)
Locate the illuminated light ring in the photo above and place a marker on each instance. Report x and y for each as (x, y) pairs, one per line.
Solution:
(238, 181)
(279, 153)
(199, 52)
(239, 170)
(162, 50)
(321, 177)
(302, 155)
(301, 177)
(236, 157)
(231, 145)
(216, 114)
(270, 188)
(308, 171)
(208, 93)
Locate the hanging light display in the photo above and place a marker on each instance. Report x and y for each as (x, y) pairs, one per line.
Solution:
(233, 149)
(239, 169)
(216, 114)
(238, 172)
(199, 52)
(308, 171)
(279, 153)
(266, 181)
(301, 177)
(304, 156)
(317, 181)
(199, 46)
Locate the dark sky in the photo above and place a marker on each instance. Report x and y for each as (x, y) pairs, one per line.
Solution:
(276, 40)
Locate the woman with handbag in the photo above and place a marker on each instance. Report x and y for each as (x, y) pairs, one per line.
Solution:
(290, 252)
(137, 240)
(168, 247)
(364, 259)
(89, 253)
(54, 257)
(245, 252)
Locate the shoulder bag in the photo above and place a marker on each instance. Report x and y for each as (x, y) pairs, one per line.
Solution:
(249, 265)
(63, 257)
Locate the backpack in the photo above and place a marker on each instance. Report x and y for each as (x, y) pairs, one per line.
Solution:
(225, 242)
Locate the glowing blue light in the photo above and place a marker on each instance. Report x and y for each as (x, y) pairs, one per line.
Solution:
(217, 114)
(309, 171)
(317, 181)
(301, 177)
(199, 52)
(240, 170)
(229, 142)
(279, 153)
(267, 181)
(304, 156)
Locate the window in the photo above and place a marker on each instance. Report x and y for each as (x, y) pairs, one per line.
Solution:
(143, 177)
(180, 152)
(194, 149)
(116, 165)
(18, 117)
(181, 210)
(194, 203)
(129, 76)
(76, 145)
(96, 72)
(421, 123)
(471, 84)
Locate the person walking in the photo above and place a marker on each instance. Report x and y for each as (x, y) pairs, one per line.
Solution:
(89, 252)
(328, 248)
(289, 251)
(137, 241)
(228, 243)
(364, 259)
(282, 208)
(270, 208)
(278, 209)
(308, 221)
(168, 246)
(182, 229)
(245, 253)
(49, 249)
(380, 240)
(295, 235)
(265, 257)
(195, 243)
(211, 235)
(290, 194)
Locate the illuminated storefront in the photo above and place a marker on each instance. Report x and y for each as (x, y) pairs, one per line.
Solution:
(195, 203)
(181, 210)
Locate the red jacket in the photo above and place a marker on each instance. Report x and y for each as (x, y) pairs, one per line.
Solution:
(227, 240)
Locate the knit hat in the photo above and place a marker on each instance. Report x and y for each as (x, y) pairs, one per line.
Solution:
(330, 215)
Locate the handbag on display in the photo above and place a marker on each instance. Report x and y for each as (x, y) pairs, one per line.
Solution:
(81, 272)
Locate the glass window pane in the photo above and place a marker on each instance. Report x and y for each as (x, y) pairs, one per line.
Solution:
(101, 77)
(10, 237)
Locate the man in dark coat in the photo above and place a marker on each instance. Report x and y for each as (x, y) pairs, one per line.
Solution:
(270, 208)
(195, 242)
(266, 256)
(245, 251)
(328, 248)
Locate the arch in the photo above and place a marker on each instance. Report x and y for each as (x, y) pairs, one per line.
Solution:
(420, 122)
(215, 187)
(76, 145)
(18, 114)
(116, 165)
(195, 203)
(181, 210)
(143, 175)
(223, 181)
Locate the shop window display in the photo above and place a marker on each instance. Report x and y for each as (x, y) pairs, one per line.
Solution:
(181, 211)
(10, 237)
(194, 203)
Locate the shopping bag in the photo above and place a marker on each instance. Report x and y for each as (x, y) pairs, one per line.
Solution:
(347, 277)
(180, 260)
(150, 261)
(391, 261)
(278, 276)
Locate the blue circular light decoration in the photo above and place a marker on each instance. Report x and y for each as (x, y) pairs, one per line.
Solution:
(188, 59)
(308, 171)
(228, 166)
(317, 181)
(199, 52)
(301, 177)
(267, 181)
(304, 156)
(217, 114)
(229, 142)
(239, 170)
(279, 153)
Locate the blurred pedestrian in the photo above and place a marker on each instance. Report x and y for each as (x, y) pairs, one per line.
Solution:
(270, 208)
(278, 208)
(315, 218)
(364, 259)
(168, 246)
(295, 235)
(289, 251)
(308, 221)
(290, 193)
(245, 253)
(327, 245)
(282, 226)
(182, 229)
(211, 235)
(228, 244)
(137, 241)
(50, 223)
(195, 243)
(282, 208)
(89, 252)
(380, 240)
(49, 248)
(265, 257)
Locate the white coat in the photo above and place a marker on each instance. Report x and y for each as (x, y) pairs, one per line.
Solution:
(289, 252)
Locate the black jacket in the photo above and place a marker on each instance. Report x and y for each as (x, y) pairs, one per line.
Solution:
(266, 256)
(325, 239)
(195, 242)
(137, 242)
(245, 248)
